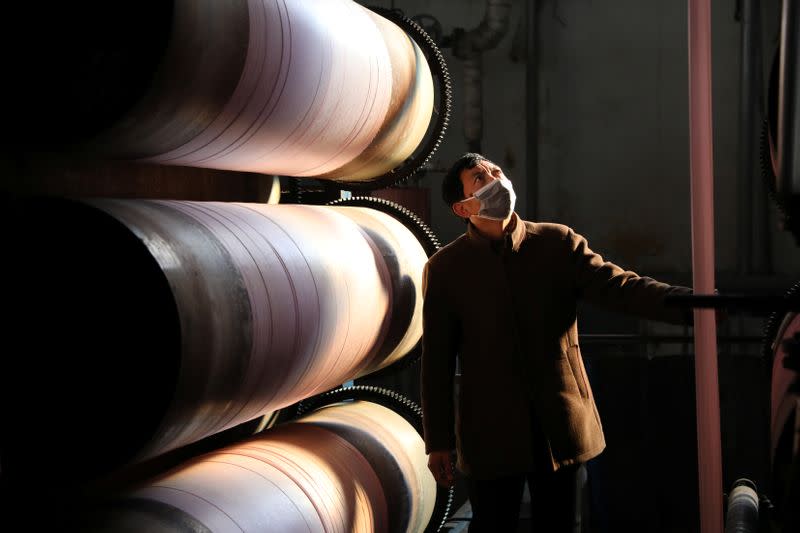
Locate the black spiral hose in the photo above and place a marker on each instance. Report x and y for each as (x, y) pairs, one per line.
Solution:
(773, 323)
(424, 234)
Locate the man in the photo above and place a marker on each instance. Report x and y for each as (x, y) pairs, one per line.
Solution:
(503, 297)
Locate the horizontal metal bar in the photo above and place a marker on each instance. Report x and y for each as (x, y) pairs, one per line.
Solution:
(633, 338)
(757, 304)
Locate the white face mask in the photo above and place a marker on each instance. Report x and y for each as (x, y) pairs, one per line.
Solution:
(497, 199)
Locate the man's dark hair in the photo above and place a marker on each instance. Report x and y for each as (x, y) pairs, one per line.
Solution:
(452, 188)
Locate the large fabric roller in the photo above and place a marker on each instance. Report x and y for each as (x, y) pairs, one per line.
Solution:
(352, 467)
(141, 326)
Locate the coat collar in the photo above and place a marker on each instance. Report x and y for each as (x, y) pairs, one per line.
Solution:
(516, 237)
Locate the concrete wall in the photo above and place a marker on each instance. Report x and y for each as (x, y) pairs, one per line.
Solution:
(612, 143)
(612, 134)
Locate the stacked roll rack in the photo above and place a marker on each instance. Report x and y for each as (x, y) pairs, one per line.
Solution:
(139, 328)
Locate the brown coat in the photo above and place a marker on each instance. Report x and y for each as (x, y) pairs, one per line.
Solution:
(508, 309)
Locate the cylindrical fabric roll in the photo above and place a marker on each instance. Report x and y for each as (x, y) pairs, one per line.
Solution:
(390, 237)
(351, 467)
(148, 325)
(396, 452)
(322, 88)
(409, 113)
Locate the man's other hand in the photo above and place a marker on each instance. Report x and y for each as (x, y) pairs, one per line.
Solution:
(440, 463)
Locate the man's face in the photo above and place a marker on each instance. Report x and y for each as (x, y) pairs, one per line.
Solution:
(473, 179)
(480, 175)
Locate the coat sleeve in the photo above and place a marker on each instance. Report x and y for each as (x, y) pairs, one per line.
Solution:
(606, 284)
(439, 346)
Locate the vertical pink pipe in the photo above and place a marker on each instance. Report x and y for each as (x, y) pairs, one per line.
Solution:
(705, 326)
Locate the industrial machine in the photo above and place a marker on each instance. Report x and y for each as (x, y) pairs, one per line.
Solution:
(160, 346)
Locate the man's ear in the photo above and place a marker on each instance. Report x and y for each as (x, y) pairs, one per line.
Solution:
(460, 210)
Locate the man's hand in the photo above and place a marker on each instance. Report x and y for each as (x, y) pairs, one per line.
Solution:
(440, 463)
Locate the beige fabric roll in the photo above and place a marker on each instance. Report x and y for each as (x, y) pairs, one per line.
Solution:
(354, 467)
(322, 88)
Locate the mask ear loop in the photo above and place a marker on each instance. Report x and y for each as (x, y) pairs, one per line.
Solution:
(486, 187)
(480, 205)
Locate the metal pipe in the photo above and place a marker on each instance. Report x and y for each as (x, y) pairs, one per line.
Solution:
(177, 320)
(742, 515)
(489, 32)
(702, 199)
(469, 46)
(532, 108)
(473, 102)
(354, 466)
(623, 338)
(746, 92)
(788, 149)
(754, 237)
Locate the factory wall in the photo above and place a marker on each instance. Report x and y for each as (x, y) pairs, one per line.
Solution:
(610, 158)
(612, 139)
